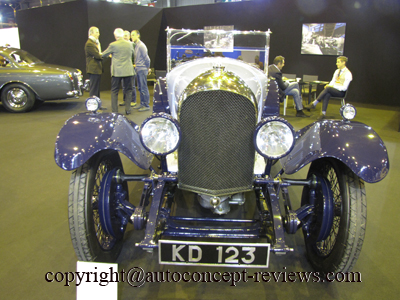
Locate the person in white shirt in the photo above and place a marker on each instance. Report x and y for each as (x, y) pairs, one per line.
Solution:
(336, 88)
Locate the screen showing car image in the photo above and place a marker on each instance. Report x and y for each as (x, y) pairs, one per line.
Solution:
(323, 38)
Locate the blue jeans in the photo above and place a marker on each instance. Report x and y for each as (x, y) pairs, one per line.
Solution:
(142, 86)
(294, 90)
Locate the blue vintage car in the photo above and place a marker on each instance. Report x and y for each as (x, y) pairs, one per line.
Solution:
(218, 136)
(26, 80)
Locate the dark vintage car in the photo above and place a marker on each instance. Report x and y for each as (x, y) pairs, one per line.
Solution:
(218, 136)
(25, 80)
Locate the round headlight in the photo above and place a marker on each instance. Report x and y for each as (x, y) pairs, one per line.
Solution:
(160, 134)
(348, 112)
(274, 138)
(93, 103)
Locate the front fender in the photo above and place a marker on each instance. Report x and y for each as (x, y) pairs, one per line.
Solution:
(355, 144)
(85, 134)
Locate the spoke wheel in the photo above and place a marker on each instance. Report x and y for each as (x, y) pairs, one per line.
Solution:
(338, 249)
(90, 240)
(17, 98)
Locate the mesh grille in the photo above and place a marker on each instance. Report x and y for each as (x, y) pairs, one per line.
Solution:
(216, 152)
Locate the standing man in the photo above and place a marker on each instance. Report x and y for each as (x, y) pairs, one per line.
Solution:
(142, 65)
(121, 69)
(94, 65)
(127, 37)
(286, 88)
(336, 88)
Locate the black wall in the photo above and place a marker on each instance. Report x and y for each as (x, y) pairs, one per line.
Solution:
(372, 37)
(57, 34)
(108, 16)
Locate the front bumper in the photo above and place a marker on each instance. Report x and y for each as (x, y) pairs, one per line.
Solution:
(74, 93)
(81, 87)
(85, 86)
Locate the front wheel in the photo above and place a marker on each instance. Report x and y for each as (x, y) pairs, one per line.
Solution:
(17, 98)
(340, 247)
(90, 240)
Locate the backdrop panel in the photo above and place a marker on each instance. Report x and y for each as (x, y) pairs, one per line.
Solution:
(372, 39)
(108, 16)
(55, 34)
(58, 33)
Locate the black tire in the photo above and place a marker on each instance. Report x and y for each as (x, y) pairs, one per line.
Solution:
(17, 98)
(339, 251)
(90, 241)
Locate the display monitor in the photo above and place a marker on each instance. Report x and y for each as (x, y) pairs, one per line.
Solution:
(323, 38)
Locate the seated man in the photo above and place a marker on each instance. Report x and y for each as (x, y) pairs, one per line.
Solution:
(286, 88)
(258, 62)
(336, 88)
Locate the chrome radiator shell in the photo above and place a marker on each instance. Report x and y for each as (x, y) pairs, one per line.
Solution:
(217, 116)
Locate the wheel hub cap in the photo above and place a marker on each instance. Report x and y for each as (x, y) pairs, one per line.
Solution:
(17, 97)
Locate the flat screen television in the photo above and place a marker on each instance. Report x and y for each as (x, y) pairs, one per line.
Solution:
(323, 38)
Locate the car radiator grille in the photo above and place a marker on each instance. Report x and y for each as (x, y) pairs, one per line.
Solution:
(216, 152)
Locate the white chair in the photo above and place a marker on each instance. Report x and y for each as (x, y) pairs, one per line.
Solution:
(285, 104)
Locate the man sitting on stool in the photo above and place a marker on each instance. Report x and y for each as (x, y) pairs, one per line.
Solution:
(336, 88)
(286, 88)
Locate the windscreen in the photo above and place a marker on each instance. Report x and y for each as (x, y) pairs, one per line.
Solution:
(22, 57)
(184, 45)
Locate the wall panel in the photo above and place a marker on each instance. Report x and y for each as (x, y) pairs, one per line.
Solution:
(108, 16)
(372, 39)
(57, 34)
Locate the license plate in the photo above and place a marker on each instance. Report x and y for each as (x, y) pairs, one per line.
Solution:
(213, 254)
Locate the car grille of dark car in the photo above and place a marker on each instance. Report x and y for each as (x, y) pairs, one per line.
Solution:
(216, 152)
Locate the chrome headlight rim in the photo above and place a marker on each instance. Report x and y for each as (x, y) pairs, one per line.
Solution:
(265, 121)
(163, 116)
(93, 103)
(343, 112)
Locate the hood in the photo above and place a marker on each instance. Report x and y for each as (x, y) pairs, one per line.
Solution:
(49, 67)
(180, 77)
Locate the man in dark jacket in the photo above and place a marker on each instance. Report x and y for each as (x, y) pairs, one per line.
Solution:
(285, 88)
(94, 66)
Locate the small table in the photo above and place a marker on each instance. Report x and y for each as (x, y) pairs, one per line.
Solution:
(310, 83)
